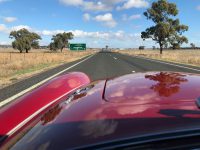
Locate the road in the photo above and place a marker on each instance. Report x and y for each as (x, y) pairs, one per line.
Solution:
(98, 66)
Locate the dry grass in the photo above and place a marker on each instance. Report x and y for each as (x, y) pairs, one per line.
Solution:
(14, 66)
(191, 57)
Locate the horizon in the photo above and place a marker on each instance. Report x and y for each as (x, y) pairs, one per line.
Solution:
(117, 23)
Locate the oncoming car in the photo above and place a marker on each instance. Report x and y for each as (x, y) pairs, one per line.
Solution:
(153, 110)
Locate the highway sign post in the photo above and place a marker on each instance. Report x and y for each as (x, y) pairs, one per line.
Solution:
(77, 47)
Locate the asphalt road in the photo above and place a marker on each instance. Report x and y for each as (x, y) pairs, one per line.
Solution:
(100, 66)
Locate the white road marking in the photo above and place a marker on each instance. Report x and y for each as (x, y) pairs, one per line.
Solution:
(169, 63)
(115, 58)
(21, 124)
(40, 83)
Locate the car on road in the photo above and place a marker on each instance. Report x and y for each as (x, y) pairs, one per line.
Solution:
(153, 110)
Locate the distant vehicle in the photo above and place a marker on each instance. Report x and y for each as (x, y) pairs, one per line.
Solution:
(156, 110)
(106, 49)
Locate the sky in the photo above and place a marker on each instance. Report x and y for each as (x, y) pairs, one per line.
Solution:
(117, 23)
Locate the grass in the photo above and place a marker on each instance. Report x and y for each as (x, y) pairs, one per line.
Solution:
(191, 57)
(15, 66)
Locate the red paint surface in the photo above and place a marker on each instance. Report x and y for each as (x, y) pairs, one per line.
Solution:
(16, 112)
(133, 105)
(138, 96)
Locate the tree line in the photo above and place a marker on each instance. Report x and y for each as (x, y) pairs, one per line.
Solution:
(25, 40)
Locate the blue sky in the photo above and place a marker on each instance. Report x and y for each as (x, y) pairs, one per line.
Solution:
(117, 23)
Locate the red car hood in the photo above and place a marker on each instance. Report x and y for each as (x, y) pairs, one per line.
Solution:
(129, 106)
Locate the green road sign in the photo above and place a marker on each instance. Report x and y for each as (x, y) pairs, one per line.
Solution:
(77, 47)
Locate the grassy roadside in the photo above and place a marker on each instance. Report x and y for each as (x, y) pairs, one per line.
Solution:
(15, 66)
(188, 57)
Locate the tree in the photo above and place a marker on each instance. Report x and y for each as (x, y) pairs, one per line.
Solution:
(60, 41)
(166, 30)
(176, 39)
(24, 40)
(52, 46)
(192, 45)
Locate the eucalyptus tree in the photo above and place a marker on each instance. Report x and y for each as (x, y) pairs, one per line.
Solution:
(167, 29)
(24, 40)
(60, 41)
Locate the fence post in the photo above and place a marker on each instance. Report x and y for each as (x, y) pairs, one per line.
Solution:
(10, 56)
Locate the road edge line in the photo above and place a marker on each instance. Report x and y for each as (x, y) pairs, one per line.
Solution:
(10, 99)
(167, 63)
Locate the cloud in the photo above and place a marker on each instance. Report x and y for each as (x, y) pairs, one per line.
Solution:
(133, 17)
(105, 5)
(100, 5)
(9, 19)
(125, 17)
(16, 28)
(5, 42)
(5, 29)
(77, 33)
(87, 5)
(106, 19)
(96, 6)
(71, 2)
(86, 17)
(133, 4)
(119, 35)
(117, 39)
(1, 1)
(49, 32)
(112, 2)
